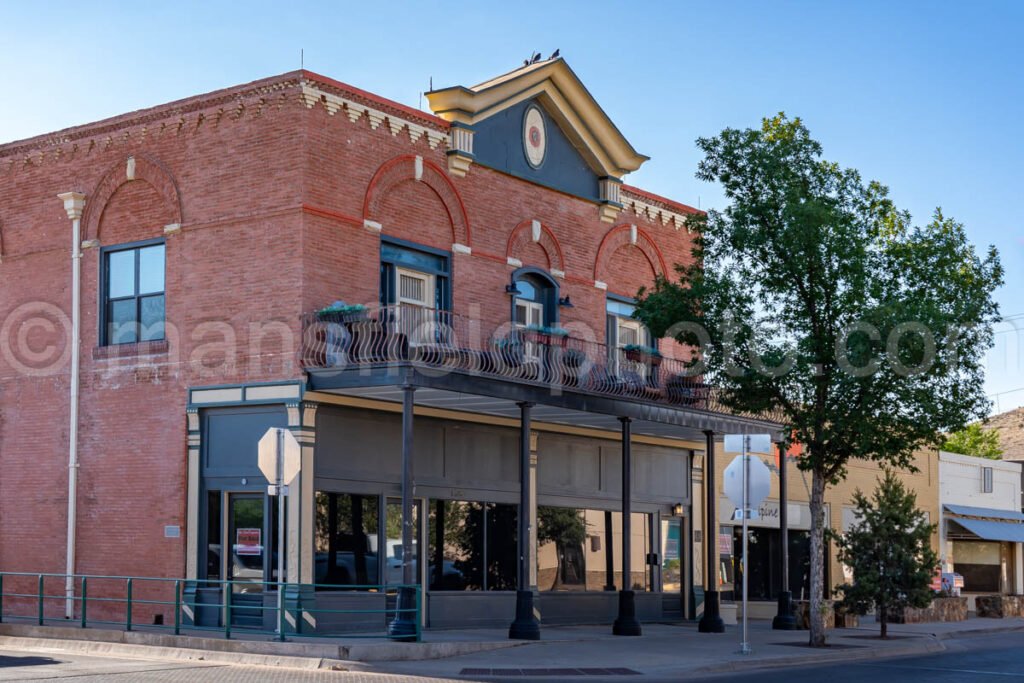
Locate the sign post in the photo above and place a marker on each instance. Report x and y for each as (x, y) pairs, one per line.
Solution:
(747, 483)
(279, 459)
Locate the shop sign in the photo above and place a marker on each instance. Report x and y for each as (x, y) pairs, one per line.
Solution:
(937, 580)
(247, 542)
(725, 544)
(768, 514)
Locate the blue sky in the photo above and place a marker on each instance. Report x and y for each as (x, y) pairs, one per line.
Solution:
(925, 97)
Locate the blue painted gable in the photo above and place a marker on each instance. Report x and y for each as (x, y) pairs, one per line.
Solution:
(498, 144)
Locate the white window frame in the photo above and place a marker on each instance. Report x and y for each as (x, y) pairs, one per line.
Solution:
(619, 363)
(412, 324)
(534, 316)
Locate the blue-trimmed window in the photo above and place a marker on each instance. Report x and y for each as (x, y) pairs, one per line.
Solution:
(133, 297)
(414, 275)
(623, 330)
(537, 300)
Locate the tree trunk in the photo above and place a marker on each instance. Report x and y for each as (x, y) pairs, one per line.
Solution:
(817, 613)
(882, 619)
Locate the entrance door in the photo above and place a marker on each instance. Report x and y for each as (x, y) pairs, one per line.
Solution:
(250, 560)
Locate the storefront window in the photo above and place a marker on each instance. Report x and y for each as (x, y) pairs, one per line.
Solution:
(394, 553)
(472, 546)
(581, 550)
(979, 563)
(347, 548)
(765, 548)
(502, 546)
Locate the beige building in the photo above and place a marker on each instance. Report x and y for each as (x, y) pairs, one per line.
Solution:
(764, 541)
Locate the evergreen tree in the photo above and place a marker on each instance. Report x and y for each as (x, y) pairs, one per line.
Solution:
(889, 549)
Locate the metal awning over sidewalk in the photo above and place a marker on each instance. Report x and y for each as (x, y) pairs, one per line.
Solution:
(989, 524)
(500, 398)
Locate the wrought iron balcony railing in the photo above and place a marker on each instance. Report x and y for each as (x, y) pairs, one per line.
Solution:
(443, 341)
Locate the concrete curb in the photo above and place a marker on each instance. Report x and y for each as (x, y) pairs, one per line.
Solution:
(977, 632)
(823, 656)
(357, 656)
(303, 655)
(181, 654)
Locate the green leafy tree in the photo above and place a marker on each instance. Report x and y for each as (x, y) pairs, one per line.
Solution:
(974, 440)
(565, 528)
(812, 298)
(889, 550)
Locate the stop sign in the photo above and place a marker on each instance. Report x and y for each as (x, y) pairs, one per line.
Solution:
(759, 481)
(269, 453)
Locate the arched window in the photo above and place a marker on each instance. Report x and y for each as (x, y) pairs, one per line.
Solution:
(535, 302)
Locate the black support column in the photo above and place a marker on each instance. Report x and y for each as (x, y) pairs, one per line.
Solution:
(711, 622)
(403, 626)
(526, 626)
(626, 623)
(784, 620)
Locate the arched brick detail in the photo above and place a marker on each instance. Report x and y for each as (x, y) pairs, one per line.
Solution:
(521, 236)
(1, 240)
(147, 169)
(619, 236)
(402, 169)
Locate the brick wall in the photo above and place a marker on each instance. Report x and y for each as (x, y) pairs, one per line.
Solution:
(271, 195)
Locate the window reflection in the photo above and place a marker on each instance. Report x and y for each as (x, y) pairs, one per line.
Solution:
(346, 539)
(765, 548)
(581, 550)
(472, 545)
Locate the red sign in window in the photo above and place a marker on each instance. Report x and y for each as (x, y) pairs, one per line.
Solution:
(247, 542)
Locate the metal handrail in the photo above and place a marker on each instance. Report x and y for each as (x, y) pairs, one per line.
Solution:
(441, 341)
(98, 593)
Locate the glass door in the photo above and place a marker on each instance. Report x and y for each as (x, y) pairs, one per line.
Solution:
(250, 547)
(671, 555)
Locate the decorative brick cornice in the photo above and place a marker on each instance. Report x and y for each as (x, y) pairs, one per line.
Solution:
(655, 208)
(335, 100)
(134, 128)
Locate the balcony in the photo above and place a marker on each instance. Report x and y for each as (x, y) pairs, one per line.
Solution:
(365, 352)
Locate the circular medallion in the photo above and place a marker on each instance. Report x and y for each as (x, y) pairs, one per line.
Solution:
(535, 137)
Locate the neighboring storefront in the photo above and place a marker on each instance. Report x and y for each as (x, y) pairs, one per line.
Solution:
(982, 525)
(764, 535)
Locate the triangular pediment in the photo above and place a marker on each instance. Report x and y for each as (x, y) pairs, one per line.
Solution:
(562, 96)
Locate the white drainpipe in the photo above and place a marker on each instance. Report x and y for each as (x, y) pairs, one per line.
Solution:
(74, 202)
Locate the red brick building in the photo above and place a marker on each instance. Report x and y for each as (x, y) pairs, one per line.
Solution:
(486, 256)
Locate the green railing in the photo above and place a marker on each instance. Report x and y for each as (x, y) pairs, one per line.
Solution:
(220, 606)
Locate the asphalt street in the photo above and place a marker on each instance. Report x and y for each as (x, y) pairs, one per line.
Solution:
(980, 658)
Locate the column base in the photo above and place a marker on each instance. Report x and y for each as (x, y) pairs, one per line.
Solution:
(525, 626)
(784, 620)
(711, 622)
(626, 623)
(404, 627)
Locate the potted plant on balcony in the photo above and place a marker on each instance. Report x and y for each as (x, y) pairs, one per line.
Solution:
(638, 353)
(542, 334)
(340, 312)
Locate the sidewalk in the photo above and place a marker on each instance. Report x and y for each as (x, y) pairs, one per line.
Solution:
(679, 650)
(664, 649)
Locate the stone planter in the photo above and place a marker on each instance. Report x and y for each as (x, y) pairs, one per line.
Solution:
(801, 612)
(844, 619)
(941, 609)
(999, 606)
